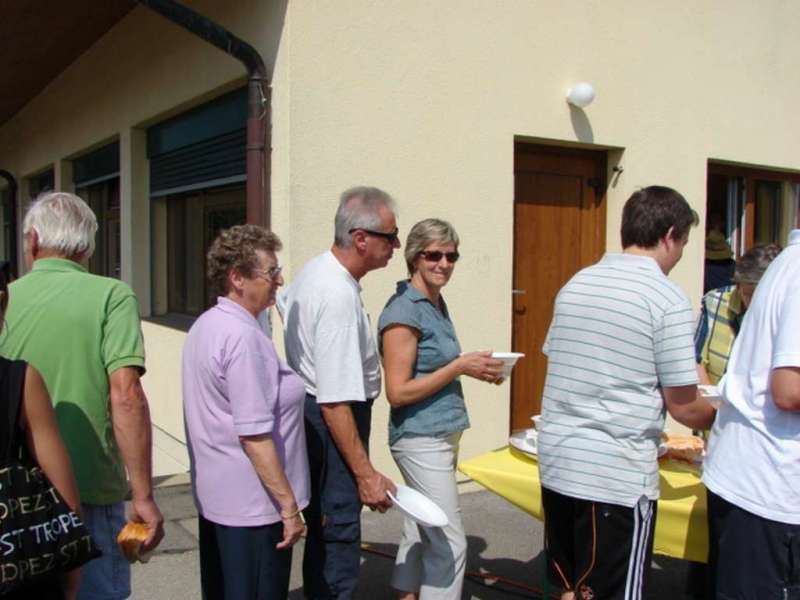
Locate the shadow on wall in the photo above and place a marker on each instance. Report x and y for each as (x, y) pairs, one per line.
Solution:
(581, 125)
(274, 26)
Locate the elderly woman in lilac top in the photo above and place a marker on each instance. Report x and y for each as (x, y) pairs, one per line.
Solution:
(243, 409)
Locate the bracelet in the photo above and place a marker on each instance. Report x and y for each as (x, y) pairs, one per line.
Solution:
(296, 513)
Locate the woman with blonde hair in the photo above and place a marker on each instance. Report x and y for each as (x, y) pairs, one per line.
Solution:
(423, 363)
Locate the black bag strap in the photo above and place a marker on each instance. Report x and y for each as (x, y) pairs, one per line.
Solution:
(12, 383)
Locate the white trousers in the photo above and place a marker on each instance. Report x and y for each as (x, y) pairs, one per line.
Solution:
(431, 560)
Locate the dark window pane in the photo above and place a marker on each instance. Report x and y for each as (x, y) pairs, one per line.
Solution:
(44, 182)
(8, 226)
(767, 213)
(103, 198)
(193, 221)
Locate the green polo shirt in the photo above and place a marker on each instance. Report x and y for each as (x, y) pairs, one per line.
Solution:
(77, 329)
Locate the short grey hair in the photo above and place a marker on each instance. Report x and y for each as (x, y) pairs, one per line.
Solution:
(359, 208)
(752, 264)
(63, 223)
(424, 233)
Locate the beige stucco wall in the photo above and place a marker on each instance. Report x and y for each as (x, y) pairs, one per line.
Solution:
(426, 99)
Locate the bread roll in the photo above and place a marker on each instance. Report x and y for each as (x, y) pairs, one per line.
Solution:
(688, 448)
(131, 538)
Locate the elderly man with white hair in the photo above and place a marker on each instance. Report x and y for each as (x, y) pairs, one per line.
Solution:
(82, 332)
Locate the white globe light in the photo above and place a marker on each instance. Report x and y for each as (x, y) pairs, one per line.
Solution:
(581, 94)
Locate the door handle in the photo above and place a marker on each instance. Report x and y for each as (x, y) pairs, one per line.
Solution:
(521, 310)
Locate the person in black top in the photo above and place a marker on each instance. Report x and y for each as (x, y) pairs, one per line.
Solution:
(26, 409)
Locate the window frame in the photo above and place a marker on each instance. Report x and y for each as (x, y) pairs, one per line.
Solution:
(164, 309)
(750, 176)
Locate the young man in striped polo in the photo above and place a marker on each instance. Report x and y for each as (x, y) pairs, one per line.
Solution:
(620, 351)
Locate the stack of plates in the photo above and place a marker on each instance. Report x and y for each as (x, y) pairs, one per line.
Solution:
(524, 441)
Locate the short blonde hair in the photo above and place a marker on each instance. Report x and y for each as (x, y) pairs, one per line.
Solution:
(424, 233)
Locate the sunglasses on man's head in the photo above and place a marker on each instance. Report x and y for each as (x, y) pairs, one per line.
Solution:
(391, 236)
(436, 256)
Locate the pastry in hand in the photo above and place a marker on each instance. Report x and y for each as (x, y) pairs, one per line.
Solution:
(688, 448)
(130, 540)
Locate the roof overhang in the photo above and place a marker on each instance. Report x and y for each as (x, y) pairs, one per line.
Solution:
(41, 38)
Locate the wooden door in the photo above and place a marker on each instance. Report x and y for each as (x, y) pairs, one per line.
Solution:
(559, 228)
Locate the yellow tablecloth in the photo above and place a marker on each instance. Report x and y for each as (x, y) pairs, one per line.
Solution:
(681, 529)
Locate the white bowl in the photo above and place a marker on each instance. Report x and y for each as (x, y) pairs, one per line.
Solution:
(509, 360)
(418, 507)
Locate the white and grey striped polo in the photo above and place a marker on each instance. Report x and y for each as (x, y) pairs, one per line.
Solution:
(620, 332)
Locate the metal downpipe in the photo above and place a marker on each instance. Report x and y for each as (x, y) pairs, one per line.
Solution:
(259, 124)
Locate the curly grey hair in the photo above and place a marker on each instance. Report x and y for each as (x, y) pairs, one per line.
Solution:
(234, 249)
(752, 264)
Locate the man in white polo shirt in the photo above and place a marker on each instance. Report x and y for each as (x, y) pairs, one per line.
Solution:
(330, 344)
(752, 470)
(619, 351)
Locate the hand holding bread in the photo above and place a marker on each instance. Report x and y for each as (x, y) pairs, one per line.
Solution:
(130, 541)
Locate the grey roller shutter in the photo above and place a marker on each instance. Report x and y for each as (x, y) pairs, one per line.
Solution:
(96, 166)
(43, 182)
(202, 148)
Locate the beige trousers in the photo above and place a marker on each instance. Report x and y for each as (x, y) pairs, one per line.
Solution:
(431, 560)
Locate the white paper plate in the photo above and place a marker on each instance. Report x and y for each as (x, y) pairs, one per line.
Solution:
(418, 507)
(524, 441)
(710, 394)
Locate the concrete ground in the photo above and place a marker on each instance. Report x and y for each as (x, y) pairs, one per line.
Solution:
(504, 544)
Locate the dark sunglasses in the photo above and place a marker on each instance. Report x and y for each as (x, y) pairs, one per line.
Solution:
(436, 256)
(391, 236)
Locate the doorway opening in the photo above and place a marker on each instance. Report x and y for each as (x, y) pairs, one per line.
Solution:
(559, 228)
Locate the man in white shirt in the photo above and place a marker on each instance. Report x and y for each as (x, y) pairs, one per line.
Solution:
(330, 344)
(752, 470)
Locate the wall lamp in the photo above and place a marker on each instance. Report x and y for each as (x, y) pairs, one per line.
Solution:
(581, 94)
